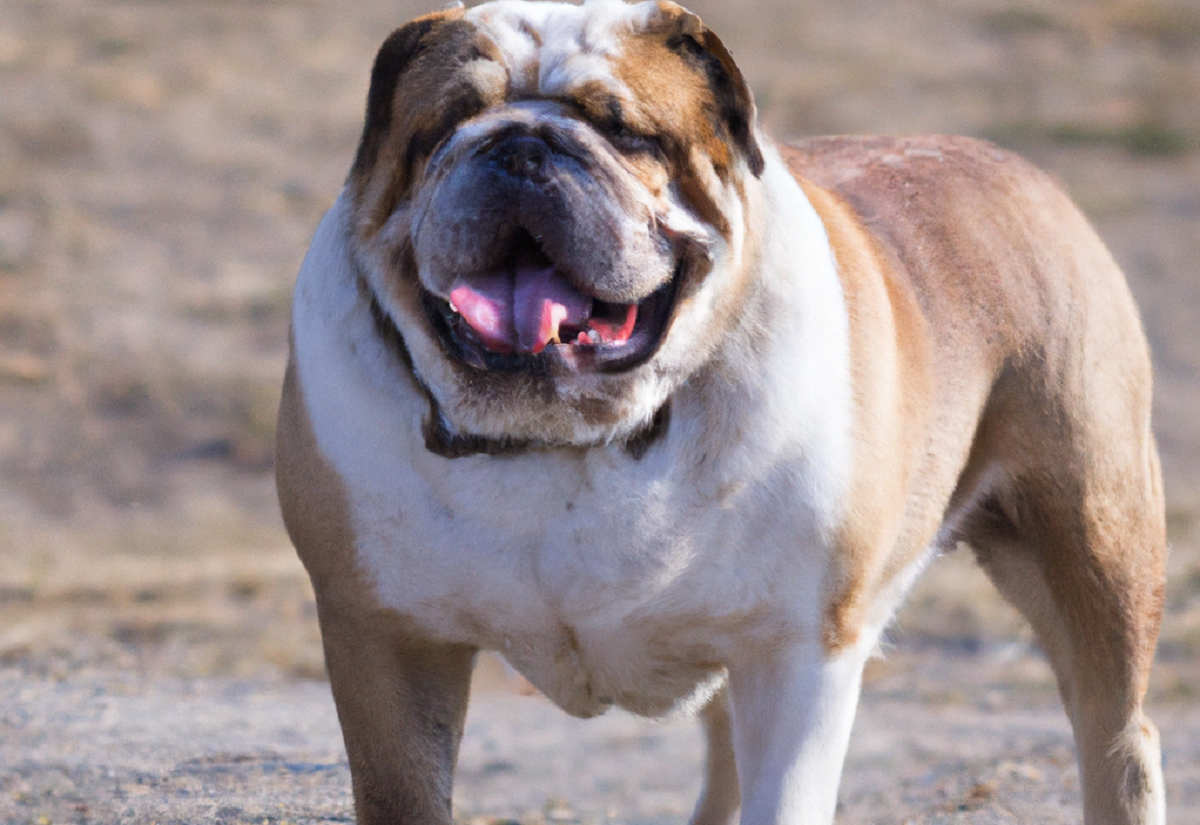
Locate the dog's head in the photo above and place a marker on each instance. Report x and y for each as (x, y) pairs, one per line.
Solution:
(549, 203)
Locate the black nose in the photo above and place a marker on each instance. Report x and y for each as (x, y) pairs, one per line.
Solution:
(524, 156)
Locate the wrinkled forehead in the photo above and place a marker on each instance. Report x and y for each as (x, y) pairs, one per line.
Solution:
(551, 49)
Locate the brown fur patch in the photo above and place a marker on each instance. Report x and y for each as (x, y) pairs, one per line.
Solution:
(1018, 414)
(420, 63)
(401, 698)
(988, 268)
(686, 91)
(889, 362)
(313, 499)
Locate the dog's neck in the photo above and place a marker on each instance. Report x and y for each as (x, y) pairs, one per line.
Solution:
(793, 329)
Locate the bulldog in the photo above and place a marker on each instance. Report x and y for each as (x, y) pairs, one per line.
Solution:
(586, 371)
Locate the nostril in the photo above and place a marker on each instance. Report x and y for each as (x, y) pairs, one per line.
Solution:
(524, 157)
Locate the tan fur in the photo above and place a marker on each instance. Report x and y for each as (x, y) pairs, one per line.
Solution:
(401, 698)
(890, 363)
(1039, 373)
(1000, 398)
(405, 120)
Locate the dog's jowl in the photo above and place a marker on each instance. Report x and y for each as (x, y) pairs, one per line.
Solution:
(586, 370)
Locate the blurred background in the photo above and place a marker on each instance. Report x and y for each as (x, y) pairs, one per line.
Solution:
(163, 165)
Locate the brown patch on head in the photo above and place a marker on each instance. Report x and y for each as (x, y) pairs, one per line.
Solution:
(688, 101)
(420, 62)
(686, 88)
(650, 140)
(533, 34)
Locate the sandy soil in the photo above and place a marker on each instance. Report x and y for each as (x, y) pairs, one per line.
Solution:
(162, 166)
(107, 747)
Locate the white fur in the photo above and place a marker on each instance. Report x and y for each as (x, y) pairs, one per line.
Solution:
(643, 582)
(447, 201)
(577, 40)
(792, 715)
(1140, 746)
(602, 578)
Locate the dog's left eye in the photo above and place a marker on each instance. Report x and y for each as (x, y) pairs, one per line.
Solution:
(629, 142)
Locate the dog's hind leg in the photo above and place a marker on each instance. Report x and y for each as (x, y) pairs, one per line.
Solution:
(719, 801)
(1082, 557)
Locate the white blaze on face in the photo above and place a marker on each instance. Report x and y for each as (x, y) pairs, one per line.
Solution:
(552, 48)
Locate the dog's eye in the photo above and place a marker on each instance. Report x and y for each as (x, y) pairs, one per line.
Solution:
(628, 142)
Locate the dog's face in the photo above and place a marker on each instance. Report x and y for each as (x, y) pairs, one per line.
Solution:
(550, 205)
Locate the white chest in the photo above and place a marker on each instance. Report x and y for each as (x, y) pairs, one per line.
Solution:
(588, 565)
(602, 577)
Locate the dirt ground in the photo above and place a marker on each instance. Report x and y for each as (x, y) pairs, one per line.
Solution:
(162, 166)
(981, 743)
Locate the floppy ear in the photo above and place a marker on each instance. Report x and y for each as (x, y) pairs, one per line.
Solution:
(395, 55)
(735, 102)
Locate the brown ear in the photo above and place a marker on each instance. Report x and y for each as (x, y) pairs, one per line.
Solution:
(394, 56)
(697, 43)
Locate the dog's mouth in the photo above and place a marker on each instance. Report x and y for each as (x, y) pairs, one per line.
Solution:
(526, 314)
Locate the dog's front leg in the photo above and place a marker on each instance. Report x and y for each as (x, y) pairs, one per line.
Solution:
(792, 714)
(402, 703)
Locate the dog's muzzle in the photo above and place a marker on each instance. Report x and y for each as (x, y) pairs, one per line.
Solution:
(534, 254)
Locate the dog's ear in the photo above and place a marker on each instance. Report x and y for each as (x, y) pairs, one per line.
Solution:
(395, 55)
(687, 35)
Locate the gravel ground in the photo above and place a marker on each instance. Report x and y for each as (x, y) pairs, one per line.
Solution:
(106, 747)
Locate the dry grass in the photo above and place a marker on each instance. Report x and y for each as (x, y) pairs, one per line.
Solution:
(162, 166)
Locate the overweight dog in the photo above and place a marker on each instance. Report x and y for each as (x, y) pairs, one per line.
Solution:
(587, 371)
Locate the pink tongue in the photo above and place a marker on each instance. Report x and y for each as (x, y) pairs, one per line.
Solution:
(542, 300)
(520, 309)
(486, 305)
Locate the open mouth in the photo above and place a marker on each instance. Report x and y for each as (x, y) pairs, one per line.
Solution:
(526, 315)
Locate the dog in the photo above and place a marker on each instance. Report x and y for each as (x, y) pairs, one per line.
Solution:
(587, 371)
